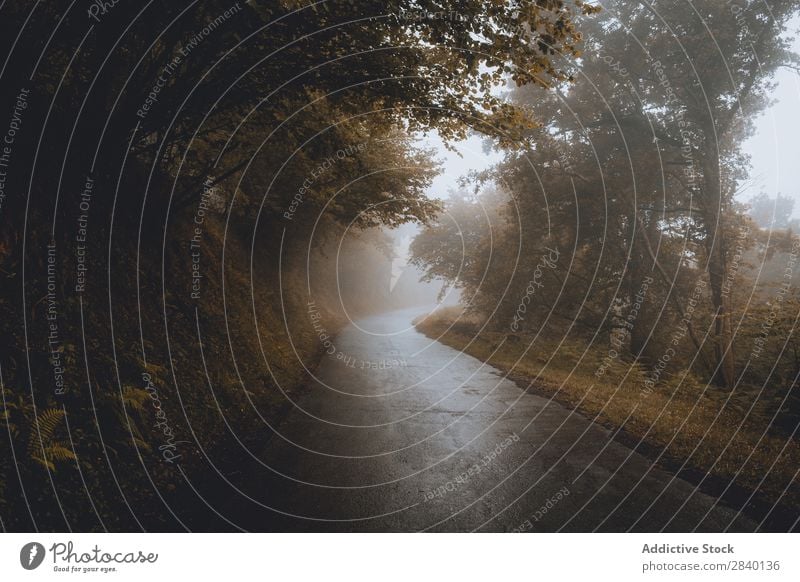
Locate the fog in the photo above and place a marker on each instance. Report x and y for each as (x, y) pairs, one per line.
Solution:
(773, 146)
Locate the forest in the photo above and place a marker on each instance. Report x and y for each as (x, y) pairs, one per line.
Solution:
(198, 201)
(616, 238)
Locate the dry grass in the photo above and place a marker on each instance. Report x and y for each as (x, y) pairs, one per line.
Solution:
(682, 418)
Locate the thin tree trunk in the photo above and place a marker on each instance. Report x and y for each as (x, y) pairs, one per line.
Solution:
(641, 326)
(716, 246)
(672, 295)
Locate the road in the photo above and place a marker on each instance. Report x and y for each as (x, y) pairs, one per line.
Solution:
(402, 433)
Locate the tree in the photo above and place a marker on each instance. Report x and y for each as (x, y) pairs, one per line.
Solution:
(159, 104)
(700, 75)
(773, 213)
(714, 67)
(635, 164)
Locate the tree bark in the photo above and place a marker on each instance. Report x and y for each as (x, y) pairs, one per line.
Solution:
(641, 326)
(672, 295)
(716, 247)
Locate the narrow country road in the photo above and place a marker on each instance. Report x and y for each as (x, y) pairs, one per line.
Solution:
(402, 433)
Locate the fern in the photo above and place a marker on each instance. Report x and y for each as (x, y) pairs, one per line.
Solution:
(43, 448)
(44, 462)
(44, 429)
(135, 398)
(60, 452)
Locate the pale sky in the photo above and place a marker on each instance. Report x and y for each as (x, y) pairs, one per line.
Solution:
(775, 148)
(470, 156)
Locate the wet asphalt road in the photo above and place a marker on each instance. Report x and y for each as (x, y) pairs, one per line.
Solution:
(402, 433)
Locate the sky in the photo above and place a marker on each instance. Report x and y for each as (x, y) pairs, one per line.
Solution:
(775, 147)
(469, 155)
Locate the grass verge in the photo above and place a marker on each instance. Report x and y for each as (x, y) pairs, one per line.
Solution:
(710, 438)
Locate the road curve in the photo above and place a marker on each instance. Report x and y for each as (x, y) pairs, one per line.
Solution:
(402, 433)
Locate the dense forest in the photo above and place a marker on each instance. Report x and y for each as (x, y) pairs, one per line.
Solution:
(616, 241)
(178, 181)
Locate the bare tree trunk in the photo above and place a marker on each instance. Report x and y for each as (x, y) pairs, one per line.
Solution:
(673, 296)
(716, 246)
(640, 268)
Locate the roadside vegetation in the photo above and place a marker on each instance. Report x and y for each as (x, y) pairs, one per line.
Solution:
(231, 147)
(611, 261)
(683, 422)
